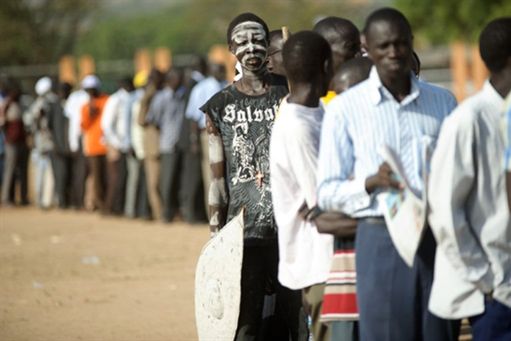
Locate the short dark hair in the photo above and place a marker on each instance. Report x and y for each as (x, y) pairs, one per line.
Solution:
(330, 27)
(244, 17)
(495, 43)
(303, 53)
(389, 15)
(276, 34)
(358, 68)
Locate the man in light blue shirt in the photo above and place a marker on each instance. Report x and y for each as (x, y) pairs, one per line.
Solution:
(390, 108)
(166, 112)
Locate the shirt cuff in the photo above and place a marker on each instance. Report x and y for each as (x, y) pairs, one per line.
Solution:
(359, 200)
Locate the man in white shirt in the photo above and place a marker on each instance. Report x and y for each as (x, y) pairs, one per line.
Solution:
(114, 123)
(304, 254)
(469, 214)
(72, 109)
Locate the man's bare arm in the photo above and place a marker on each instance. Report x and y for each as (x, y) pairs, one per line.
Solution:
(218, 198)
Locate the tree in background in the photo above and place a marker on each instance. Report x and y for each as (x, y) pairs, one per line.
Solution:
(193, 26)
(40, 31)
(459, 24)
(444, 21)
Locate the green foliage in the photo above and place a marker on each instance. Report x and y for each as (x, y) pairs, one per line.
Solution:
(442, 21)
(194, 26)
(40, 31)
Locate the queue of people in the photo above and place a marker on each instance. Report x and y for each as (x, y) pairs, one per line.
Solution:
(304, 162)
(131, 153)
(295, 142)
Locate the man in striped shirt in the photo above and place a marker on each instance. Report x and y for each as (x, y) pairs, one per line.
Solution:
(391, 108)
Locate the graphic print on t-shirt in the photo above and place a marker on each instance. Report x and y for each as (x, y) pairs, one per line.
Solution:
(245, 123)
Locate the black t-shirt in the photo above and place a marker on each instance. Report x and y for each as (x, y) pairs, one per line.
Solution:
(245, 124)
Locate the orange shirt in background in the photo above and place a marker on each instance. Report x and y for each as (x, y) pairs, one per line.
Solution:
(93, 140)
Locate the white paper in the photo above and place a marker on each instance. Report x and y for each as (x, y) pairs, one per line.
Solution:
(404, 212)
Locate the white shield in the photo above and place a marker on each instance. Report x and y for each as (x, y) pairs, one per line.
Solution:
(218, 283)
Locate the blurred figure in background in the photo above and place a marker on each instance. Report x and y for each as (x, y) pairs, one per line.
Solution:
(94, 141)
(166, 113)
(114, 124)
(73, 110)
(16, 151)
(151, 143)
(137, 202)
(62, 161)
(199, 143)
(38, 116)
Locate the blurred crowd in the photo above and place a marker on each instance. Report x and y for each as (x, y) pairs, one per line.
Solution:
(140, 152)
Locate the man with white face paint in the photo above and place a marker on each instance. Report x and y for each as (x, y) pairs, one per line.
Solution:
(239, 122)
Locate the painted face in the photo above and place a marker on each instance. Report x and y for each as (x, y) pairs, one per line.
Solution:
(390, 46)
(249, 45)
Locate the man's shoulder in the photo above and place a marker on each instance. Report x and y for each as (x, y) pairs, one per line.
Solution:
(430, 90)
(467, 112)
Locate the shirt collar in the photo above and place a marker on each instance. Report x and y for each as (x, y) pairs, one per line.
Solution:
(379, 92)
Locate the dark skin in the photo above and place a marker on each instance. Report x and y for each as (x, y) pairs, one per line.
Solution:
(275, 61)
(501, 81)
(252, 83)
(93, 93)
(309, 93)
(389, 45)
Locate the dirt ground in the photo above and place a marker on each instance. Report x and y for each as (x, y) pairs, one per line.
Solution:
(67, 275)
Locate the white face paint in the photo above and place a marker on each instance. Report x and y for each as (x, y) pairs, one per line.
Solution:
(250, 46)
(216, 153)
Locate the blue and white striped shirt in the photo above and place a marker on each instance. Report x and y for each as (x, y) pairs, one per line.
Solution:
(358, 123)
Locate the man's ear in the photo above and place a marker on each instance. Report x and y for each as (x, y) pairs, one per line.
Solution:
(231, 48)
(363, 42)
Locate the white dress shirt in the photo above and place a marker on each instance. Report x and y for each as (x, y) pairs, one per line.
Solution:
(469, 214)
(114, 120)
(358, 123)
(73, 110)
(305, 254)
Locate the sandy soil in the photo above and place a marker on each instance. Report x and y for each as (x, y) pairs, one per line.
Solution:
(67, 275)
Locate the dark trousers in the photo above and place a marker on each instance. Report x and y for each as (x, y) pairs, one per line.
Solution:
(142, 207)
(117, 174)
(169, 184)
(393, 298)
(259, 279)
(62, 168)
(492, 325)
(191, 191)
(97, 166)
(78, 176)
(15, 172)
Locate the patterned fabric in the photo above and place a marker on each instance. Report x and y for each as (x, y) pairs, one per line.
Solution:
(340, 298)
(239, 129)
(358, 123)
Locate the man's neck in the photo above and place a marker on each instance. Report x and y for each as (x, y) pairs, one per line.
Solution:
(501, 81)
(253, 83)
(304, 94)
(399, 85)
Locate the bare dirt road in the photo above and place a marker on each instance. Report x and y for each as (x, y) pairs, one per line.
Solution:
(67, 275)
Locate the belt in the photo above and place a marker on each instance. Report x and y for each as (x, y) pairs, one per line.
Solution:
(373, 220)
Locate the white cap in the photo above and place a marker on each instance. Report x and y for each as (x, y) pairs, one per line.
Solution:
(43, 86)
(91, 82)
